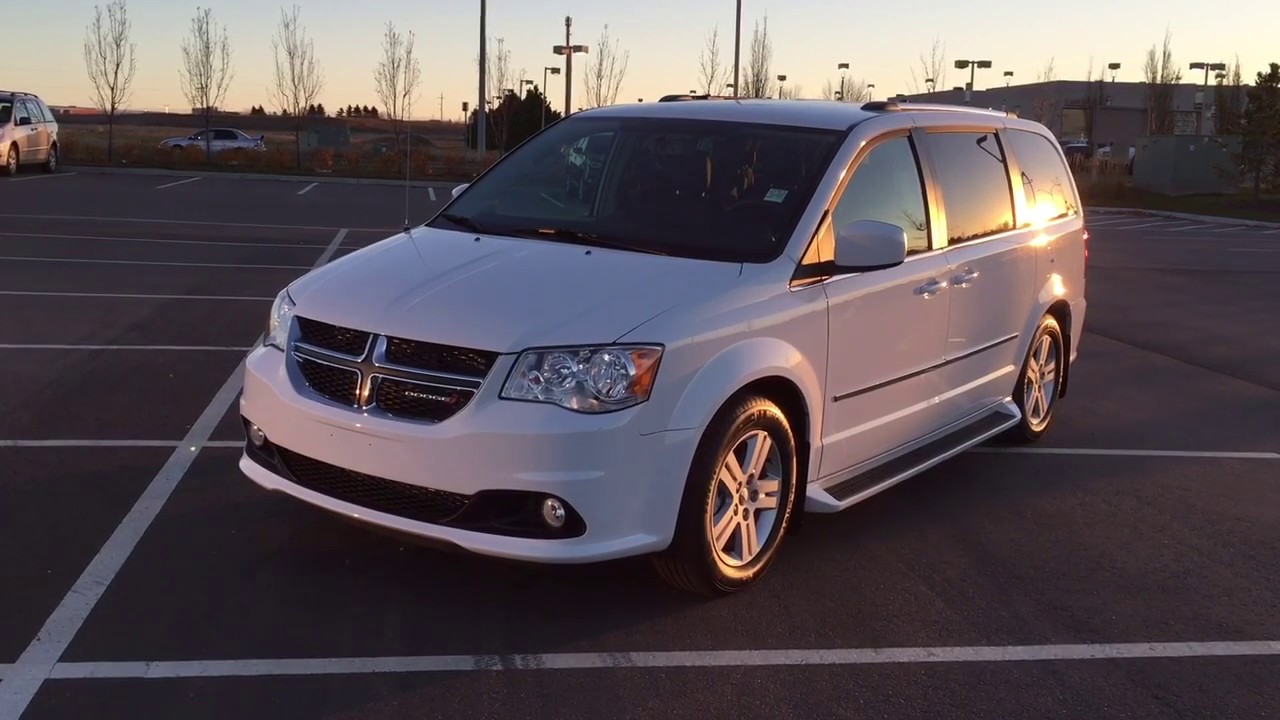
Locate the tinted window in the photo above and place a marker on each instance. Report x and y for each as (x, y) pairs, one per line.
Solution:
(224, 135)
(1045, 177)
(6, 110)
(694, 188)
(886, 186)
(25, 111)
(974, 181)
(44, 109)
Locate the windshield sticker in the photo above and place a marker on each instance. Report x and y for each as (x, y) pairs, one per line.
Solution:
(776, 195)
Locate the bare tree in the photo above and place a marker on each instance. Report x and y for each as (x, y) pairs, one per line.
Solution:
(206, 70)
(397, 78)
(1228, 101)
(605, 71)
(109, 58)
(1161, 75)
(1045, 108)
(794, 91)
(932, 69)
(757, 76)
(499, 79)
(1094, 99)
(298, 80)
(713, 74)
(847, 89)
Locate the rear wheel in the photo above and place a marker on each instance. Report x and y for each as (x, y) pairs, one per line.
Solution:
(11, 161)
(51, 162)
(738, 500)
(1036, 393)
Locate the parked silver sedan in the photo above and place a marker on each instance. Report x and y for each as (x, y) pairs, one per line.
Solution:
(220, 140)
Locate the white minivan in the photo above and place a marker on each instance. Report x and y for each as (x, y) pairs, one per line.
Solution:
(757, 309)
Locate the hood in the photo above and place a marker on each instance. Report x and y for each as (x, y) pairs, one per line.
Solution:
(501, 294)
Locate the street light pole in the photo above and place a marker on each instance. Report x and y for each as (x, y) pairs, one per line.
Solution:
(482, 125)
(568, 51)
(973, 66)
(545, 70)
(737, 47)
(1204, 94)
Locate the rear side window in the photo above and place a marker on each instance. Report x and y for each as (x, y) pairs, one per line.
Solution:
(974, 180)
(1045, 178)
(224, 135)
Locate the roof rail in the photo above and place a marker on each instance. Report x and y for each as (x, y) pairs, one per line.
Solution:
(907, 106)
(677, 98)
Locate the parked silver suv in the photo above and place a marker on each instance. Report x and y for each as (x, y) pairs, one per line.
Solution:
(28, 133)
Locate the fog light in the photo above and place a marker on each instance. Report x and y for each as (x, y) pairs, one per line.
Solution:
(553, 512)
(256, 436)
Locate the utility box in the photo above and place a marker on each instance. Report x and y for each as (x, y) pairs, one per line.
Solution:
(328, 136)
(1187, 165)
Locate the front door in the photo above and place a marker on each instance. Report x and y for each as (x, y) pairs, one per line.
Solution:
(887, 328)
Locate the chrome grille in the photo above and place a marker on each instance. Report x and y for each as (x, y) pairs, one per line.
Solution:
(393, 376)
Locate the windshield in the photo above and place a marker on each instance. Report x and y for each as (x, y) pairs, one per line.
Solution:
(715, 190)
(6, 111)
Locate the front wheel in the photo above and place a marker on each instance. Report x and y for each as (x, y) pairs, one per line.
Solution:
(737, 504)
(1036, 393)
(11, 161)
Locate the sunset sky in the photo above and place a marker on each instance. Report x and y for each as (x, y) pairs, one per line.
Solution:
(881, 41)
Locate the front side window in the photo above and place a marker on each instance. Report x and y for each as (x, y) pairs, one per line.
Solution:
(726, 191)
(225, 135)
(1045, 178)
(24, 111)
(886, 186)
(974, 180)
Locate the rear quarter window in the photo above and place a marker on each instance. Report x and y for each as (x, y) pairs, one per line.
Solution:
(1046, 180)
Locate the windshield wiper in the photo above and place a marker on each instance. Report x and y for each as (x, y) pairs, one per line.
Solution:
(581, 237)
(462, 221)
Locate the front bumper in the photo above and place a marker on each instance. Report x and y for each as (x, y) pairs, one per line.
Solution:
(623, 489)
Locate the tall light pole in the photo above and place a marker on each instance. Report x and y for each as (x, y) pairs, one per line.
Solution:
(737, 47)
(844, 88)
(1204, 94)
(482, 126)
(781, 79)
(545, 70)
(1113, 67)
(1008, 77)
(568, 51)
(973, 66)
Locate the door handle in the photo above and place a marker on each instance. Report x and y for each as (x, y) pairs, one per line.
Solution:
(931, 288)
(966, 277)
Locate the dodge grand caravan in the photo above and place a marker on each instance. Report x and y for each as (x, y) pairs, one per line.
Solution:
(757, 309)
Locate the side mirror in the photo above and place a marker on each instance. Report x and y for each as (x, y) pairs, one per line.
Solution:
(24, 120)
(866, 245)
(458, 190)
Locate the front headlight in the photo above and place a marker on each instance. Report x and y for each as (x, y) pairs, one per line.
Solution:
(278, 323)
(585, 379)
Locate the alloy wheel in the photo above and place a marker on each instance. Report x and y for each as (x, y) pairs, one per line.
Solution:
(741, 517)
(1040, 387)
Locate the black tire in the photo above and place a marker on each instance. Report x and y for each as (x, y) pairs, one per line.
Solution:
(690, 563)
(1028, 429)
(11, 160)
(51, 162)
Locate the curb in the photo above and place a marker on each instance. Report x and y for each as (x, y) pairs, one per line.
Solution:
(165, 172)
(1221, 219)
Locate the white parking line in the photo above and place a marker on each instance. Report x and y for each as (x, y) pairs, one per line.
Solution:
(1195, 227)
(15, 258)
(304, 190)
(1112, 221)
(36, 663)
(1138, 227)
(117, 444)
(38, 177)
(1129, 452)
(131, 296)
(157, 348)
(660, 659)
(178, 182)
(159, 221)
(162, 240)
(431, 193)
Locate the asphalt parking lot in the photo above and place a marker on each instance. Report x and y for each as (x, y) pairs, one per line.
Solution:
(1124, 567)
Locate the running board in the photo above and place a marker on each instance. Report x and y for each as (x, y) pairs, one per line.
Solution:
(913, 462)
